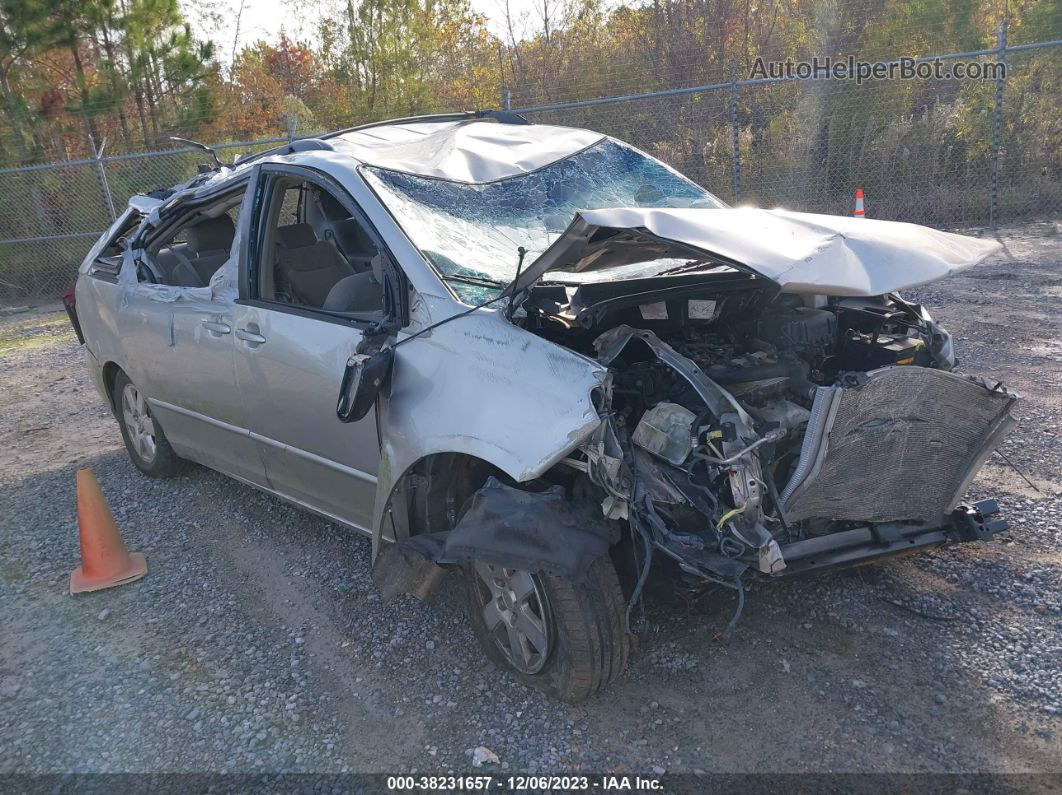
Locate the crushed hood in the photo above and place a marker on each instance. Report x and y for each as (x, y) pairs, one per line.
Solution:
(802, 252)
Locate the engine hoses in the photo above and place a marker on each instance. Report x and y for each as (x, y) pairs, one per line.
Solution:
(726, 517)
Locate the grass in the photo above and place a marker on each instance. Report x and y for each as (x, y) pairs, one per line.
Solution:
(22, 332)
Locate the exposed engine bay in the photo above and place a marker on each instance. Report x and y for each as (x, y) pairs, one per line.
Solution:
(753, 430)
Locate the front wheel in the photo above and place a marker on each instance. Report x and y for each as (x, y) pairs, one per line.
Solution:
(564, 638)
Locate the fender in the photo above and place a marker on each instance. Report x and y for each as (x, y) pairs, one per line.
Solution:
(485, 388)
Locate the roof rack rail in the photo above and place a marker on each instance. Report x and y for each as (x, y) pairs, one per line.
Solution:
(500, 116)
(310, 145)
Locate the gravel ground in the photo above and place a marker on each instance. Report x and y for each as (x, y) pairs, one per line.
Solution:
(257, 642)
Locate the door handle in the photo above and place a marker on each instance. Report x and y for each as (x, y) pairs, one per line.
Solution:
(217, 327)
(250, 335)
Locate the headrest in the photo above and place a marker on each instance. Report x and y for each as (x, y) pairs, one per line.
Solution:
(377, 263)
(211, 234)
(353, 239)
(296, 235)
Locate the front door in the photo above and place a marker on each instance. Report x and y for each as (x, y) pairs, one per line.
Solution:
(312, 283)
(289, 367)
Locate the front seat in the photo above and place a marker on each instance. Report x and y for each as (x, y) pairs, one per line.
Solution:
(353, 242)
(360, 293)
(208, 246)
(312, 266)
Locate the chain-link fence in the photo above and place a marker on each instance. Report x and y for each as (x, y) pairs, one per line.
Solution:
(51, 214)
(945, 152)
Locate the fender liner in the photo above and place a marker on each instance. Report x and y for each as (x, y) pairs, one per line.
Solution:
(504, 526)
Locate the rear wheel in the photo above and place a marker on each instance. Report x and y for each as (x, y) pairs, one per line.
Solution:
(564, 638)
(144, 439)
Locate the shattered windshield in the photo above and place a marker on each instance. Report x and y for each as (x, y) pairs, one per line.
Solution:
(471, 233)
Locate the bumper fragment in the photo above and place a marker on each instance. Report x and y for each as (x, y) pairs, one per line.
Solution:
(975, 522)
(860, 545)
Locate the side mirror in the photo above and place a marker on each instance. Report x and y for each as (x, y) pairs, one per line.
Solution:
(363, 378)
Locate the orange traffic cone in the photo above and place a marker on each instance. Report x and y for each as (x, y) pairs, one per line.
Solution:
(105, 562)
(859, 204)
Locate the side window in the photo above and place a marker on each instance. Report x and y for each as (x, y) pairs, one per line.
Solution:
(289, 206)
(109, 261)
(120, 240)
(194, 246)
(315, 254)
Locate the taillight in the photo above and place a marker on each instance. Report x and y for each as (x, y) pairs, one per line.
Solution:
(70, 304)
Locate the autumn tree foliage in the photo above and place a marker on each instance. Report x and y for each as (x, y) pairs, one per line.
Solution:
(74, 73)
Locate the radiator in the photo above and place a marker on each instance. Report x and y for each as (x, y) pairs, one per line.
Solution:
(902, 445)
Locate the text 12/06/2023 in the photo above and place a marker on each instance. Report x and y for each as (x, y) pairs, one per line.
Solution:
(524, 783)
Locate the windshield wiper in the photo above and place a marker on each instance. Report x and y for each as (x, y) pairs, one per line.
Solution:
(521, 252)
(686, 267)
(479, 281)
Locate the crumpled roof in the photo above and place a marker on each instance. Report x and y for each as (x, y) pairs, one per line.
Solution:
(464, 151)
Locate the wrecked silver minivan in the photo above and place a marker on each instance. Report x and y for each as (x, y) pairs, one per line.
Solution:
(542, 361)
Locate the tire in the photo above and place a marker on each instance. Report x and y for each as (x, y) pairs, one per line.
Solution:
(583, 622)
(144, 438)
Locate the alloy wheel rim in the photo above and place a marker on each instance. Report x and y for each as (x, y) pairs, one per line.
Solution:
(517, 615)
(138, 423)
